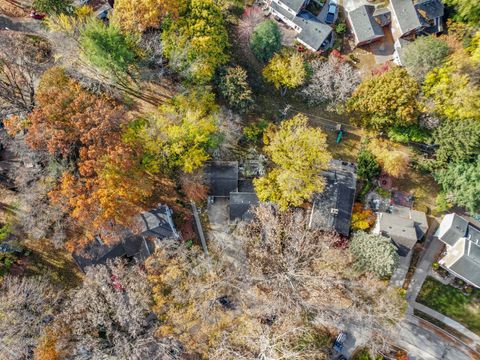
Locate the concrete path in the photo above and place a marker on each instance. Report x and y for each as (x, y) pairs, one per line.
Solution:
(447, 321)
(400, 273)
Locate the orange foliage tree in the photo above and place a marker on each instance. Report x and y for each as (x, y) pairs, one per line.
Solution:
(362, 218)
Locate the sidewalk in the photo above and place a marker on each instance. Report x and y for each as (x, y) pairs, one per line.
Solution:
(400, 273)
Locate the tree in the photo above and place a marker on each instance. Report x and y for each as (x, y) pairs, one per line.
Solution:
(332, 82)
(27, 305)
(107, 48)
(466, 10)
(394, 161)
(180, 135)
(367, 166)
(196, 44)
(299, 153)
(461, 184)
(286, 71)
(362, 218)
(385, 100)
(53, 6)
(235, 89)
(374, 253)
(145, 14)
(422, 55)
(266, 40)
(453, 88)
(109, 316)
(458, 141)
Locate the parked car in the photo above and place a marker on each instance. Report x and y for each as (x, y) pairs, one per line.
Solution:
(332, 11)
(339, 341)
(37, 16)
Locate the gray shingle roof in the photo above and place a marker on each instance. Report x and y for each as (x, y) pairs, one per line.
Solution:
(406, 15)
(222, 177)
(363, 23)
(339, 195)
(282, 11)
(295, 5)
(401, 230)
(240, 205)
(314, 32)
(458, 229)
(430, 9)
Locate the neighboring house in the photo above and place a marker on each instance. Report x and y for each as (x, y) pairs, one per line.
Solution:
(332, 208)
(462, 255)
(405, 18)
(364, 25)
(226, 181)
(399, 44)
(403, 225)
(312, 33)
(151, 227)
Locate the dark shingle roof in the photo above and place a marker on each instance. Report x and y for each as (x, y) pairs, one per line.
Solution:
(314, 32)
(241, 204)
(332, 208)
(406, 15)
(157, 223)
(467, 268)
(430, 9)
(222, 177)
(363, 23)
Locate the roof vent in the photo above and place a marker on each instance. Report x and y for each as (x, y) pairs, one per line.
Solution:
(334, 211)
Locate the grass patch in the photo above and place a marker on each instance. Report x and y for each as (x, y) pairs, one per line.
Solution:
(452, 303)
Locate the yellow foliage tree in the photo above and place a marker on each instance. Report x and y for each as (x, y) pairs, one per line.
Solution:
(392, 160)
(286, 70)
(362, 218)
(137, 16)
(299, 153)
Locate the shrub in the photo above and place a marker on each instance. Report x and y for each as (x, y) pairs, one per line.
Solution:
(266, 40)
(235, 89)
(367, 166)
(253, 132)
(405, 134)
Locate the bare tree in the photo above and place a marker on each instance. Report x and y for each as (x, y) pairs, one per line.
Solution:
(109, 316)
(230, 129)
(332, 82)
(27, 305)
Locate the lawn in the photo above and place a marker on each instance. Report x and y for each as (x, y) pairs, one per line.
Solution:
(452, 303)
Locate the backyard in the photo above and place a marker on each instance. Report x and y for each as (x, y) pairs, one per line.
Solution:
(452, 302)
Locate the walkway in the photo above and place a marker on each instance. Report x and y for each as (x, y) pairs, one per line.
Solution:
(400, 273)
(449, 322)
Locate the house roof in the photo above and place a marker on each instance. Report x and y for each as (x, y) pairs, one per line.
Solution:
(240, 205)
(295, 5)
(430, 9)
(222, 177)
(468, 265)
(452, 228)
(314, 32)
(282, 11)
(363, 23)
(401, 230)
(155, 223)
(332, 208)
(406, 15)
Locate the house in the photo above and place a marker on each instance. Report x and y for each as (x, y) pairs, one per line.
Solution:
(226, 180)
(364, 25)
(405, 18)
(462, 254)
(151, 226)
(312, 33)
(332, 208)
(403, 225)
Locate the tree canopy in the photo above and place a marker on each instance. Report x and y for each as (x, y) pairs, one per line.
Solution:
(367, 166)
(385, 100)
(391, 158)
(286, 70)
(467, 10)
(235, 89)
(374, 253)
(299, 153)
(266, 40)
(196, 43)
(53, 6)
(422, 55)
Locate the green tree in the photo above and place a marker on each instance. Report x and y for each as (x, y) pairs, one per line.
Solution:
(467, 10)
(235, 89)
(179, 135)
(196, 44)
(461, 184)
(299, 153)
(453, 88)
(424, 54)
(385, 100)
(374, 253)
(458, 141)
(367, 166)
(53, 6)
(266, 40)
(107, 48)
(286, 70)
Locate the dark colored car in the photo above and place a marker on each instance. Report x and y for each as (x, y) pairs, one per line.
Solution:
(339, 341)
(332, 10)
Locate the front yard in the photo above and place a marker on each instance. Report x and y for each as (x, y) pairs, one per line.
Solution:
(452, 302)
